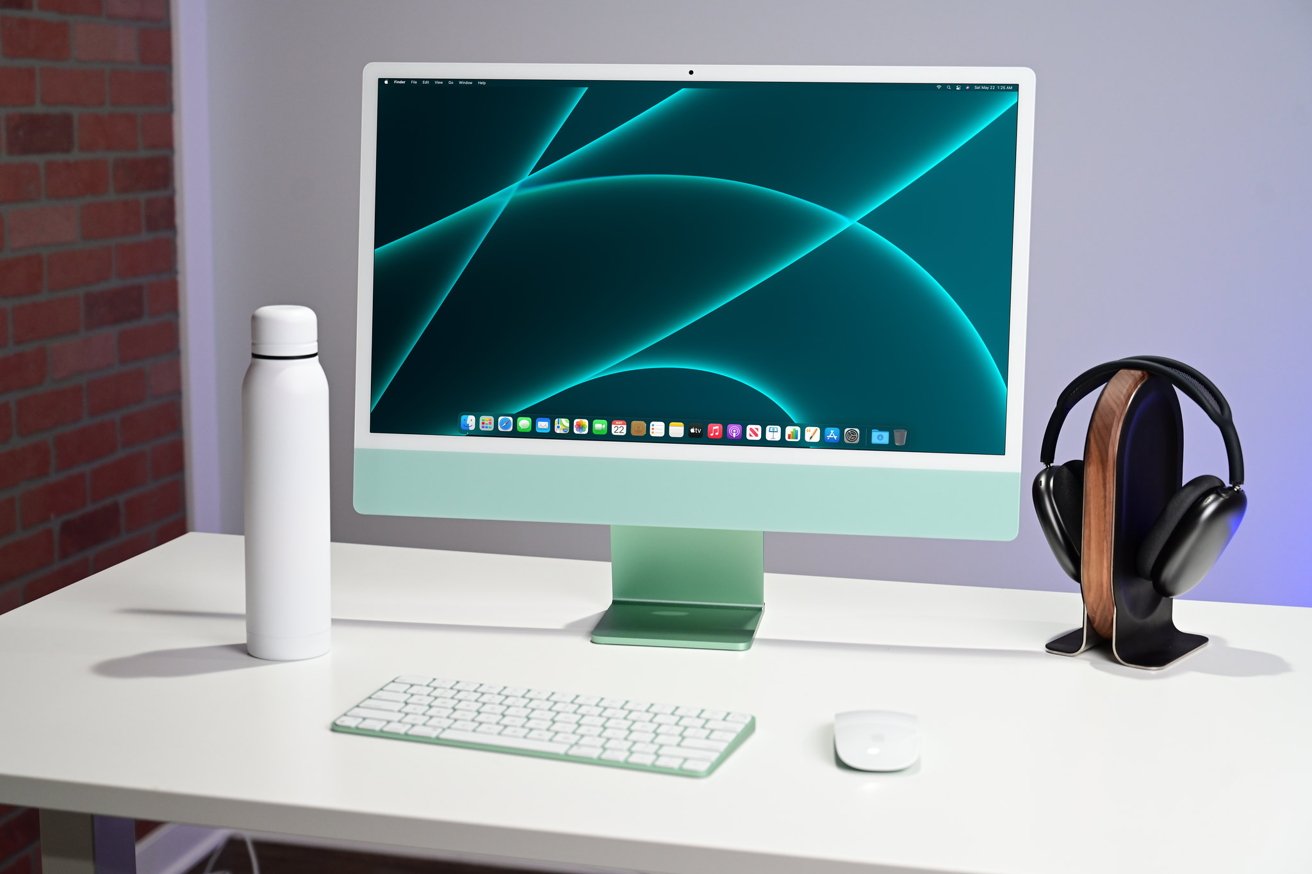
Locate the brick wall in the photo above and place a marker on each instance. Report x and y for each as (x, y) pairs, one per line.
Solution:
(90, 408)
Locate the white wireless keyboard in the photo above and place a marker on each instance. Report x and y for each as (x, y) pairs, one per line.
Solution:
(666, 738)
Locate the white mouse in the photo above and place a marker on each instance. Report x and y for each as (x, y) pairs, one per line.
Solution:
(877, 740)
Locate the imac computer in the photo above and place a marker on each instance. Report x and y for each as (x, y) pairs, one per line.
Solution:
(695, 304)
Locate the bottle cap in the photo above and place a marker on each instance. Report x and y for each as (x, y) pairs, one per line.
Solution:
(284, 332)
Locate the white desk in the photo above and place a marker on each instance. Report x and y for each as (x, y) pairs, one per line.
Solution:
(130, 694)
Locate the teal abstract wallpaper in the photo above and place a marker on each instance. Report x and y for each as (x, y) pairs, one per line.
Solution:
(749, 261)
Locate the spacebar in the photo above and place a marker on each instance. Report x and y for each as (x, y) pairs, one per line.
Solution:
(510, 743)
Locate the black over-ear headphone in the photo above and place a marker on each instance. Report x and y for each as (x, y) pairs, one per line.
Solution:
(1197, 522)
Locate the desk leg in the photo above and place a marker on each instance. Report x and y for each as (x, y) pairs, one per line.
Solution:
(79, 843)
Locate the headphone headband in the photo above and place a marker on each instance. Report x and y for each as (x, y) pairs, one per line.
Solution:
(1189, 381)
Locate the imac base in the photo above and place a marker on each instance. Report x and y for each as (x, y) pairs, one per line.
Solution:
(684, 587)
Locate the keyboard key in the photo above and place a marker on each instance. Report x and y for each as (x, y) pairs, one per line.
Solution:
(614, 755)
(697, 766)
(370, 713)
(396, 728)
(424, 731)
(585, 752)
(383, 703)
(642, 759)
(682, 752)
(668, 762)
(348, 721)
(740, 718)
(688, 711)
(539, 734)
(487, 728)
(372, 724)
(501, 740)
(698, 744)
(411, 680)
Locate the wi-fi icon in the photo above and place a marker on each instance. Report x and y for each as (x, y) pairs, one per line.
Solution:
(938, 86)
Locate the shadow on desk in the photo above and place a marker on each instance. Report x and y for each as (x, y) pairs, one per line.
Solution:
(190, 661)
(1218, 658)
(187, 661)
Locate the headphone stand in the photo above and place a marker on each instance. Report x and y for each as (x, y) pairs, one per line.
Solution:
(1133, 460)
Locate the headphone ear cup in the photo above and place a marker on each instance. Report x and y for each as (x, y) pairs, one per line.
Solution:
(1203, 528)
(1059, 503)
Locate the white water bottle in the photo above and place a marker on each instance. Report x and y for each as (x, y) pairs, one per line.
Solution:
(285, 446)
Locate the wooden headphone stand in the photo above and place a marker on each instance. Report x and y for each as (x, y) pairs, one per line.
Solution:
(1133, 459)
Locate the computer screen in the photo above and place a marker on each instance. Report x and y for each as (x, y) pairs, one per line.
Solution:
(760, 298)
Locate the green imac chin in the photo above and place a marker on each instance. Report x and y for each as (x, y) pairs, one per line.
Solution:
(695, 305)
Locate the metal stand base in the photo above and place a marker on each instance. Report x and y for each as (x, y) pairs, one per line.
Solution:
(1162, 648)
(684, 587)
